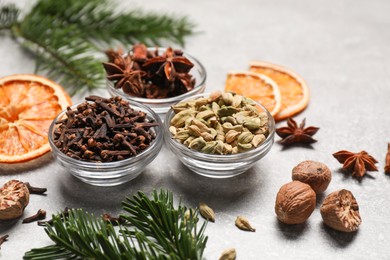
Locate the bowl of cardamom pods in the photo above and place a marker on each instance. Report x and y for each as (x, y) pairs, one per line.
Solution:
(157, 77)
(219, 135)
(106, 141)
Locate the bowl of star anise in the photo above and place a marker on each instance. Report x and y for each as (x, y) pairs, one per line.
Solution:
(156, 77)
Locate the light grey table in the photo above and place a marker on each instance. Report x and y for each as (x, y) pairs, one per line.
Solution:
(342, 50)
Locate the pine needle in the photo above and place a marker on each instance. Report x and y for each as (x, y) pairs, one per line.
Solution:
(67, 37)
(157, 230)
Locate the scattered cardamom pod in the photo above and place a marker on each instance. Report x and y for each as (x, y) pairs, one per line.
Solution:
(243, 224)
(206, 212)
(228, 254)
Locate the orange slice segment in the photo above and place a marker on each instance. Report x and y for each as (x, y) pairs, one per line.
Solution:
(28, 105)
(257, 87)
(294, 90)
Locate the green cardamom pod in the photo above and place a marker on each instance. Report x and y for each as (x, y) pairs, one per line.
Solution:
(188, 141)
(227, 98)
(227, 149)
(244, 147)
(258, 139)
(172, 130)
(227, 111)
(180, 118)
(206, 212)
(207, 136)
(215, 107)
(205, 114)
(228, 126)
(201, 102)
(203, 127)
(230, 119)
(228, 254)
(231, 136)
(209, 147)
(219, 147)
(214, 96)
(194, 130)
(252, 124)
(237, 99)
(243, 224)
(245, 137)
(197, 144)
(182, 135)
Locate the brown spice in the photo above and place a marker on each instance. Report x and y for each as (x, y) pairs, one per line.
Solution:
(387, 161)
(316, 174)
(35, 190)
(41, 214)
(3, 239)
(148, 74)
(115, 221)
(357, 163)
(14, 197)
(293, 133)
(103, 130)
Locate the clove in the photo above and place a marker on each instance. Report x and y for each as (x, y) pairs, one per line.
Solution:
(64, 214)
(3, 239)
(115, 221)
(35, 190)
(41, 214)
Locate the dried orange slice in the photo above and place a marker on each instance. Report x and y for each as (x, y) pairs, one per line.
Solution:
(28, 105)
(257, 87)
(294, 91)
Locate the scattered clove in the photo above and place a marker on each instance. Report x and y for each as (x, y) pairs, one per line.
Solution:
(41, 214)
(104, 130)
(64, 214)
(228, 254)
(115, 221)
(35, 190)
(3, 239)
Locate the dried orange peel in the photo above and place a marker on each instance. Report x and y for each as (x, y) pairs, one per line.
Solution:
(28, 104)
(257, 87)
(293, 89)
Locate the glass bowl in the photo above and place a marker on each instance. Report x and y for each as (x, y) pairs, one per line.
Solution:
(214, 165)
(110, 173)
(162, 105)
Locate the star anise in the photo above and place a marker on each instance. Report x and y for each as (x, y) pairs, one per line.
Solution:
(358, 163)
(121, 70)
(169, 64)
(293, 133)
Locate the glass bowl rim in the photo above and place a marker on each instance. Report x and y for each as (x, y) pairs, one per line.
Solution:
(218, 157)
(198, 86)
(154, 145)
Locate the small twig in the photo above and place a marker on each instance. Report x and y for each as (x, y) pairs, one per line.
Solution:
(3, 239)
(35, 190)
(41, 214)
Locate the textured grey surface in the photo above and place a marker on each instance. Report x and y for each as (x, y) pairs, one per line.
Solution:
(341, 48)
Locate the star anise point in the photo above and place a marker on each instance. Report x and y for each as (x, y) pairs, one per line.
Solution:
(357, 163)
(292, 133)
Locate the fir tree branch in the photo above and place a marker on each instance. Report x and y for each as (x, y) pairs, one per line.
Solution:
(158, 230)
(68, 36)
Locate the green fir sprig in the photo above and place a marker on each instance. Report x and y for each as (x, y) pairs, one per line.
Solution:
(68, 37)
(155, 229)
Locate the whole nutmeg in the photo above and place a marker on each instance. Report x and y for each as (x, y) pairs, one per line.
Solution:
(295, 202)
(340, 211)
(316, 174)
(14, 197)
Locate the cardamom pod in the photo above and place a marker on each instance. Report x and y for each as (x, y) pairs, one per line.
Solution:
(227, 148)
(188, 140)
(197, 144)
(245, 137)
(182, 135)
(227, 98)
(237, 99)
(228, 126)
(194, 130)
(227, 111)
(252, 123)
(205, 114)
(244, 147)
(203, 127)
(207, 136)
(201, 102)
(258, 139)
(235, 150)
(220, 137)
(219, 147)
(206, 212)
(228, 254)
(231, 136)
(180, 107)
(214, 96)
(172, 130)
(243, 224)
(180, 118)
(215, 107)
(209, 147)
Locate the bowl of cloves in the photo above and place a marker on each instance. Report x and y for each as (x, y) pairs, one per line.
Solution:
(219, 135)
(156, 77)
(106, 141)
